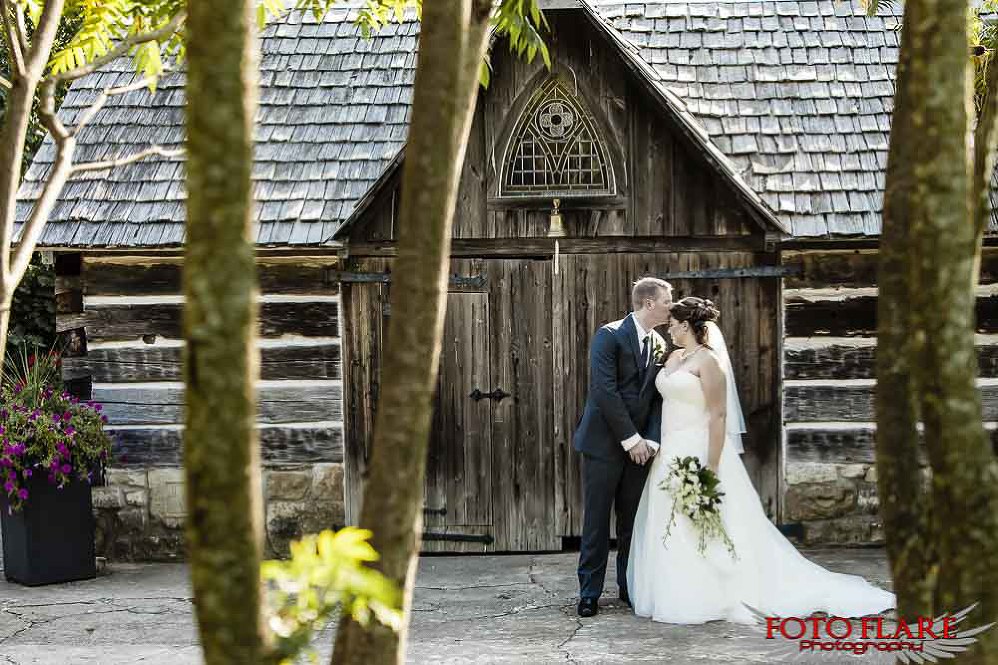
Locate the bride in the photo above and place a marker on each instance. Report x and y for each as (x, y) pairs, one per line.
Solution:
(669, 580)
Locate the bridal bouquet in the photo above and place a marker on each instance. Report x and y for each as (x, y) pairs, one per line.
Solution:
(696, 495)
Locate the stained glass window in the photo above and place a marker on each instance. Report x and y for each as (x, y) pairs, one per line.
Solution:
(556, 149)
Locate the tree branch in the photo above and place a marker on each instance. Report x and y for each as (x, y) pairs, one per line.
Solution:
(13, 41)
(122, 161)
(47, 112)
(37, 55)
(65, 145)
(156, 35)
(22, 28)
(101, 100)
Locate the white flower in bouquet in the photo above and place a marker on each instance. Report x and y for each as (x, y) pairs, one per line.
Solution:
(695, 493)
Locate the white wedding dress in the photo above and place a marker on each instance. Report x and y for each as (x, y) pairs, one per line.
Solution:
(672, 582)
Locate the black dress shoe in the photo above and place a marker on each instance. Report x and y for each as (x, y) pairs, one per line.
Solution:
(624, 598)
(588, 607)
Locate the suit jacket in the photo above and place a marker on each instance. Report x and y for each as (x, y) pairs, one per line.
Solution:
(622, 398)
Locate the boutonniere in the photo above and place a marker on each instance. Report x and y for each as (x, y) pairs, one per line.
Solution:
(659, 353)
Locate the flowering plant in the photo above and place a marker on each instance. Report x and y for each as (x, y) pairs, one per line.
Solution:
(44, 430)
(695, 492)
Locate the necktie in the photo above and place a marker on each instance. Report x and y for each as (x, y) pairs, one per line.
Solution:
(646, 352)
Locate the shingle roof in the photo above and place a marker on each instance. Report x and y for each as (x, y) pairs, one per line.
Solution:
(796, 95)
(333, 113)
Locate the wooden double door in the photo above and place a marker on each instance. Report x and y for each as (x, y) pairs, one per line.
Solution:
(501, 471)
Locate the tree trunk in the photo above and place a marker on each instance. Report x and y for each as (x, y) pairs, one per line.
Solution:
(903, 502)
(13, 135)
(452, 44)
(964, 518)
(929, 189)
(221, 455)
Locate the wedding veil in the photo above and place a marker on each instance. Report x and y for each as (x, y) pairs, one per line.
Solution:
(734, 421)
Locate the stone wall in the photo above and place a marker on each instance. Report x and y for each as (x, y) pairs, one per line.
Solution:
(835, 504)
(140, 513)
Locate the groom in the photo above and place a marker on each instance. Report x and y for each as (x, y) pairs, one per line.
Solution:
(619, 433)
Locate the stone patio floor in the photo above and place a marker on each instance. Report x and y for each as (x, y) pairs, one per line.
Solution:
(470, 609)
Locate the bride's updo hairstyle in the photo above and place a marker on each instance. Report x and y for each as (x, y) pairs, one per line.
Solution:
(697, 312)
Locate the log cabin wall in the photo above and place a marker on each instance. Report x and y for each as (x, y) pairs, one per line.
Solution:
(829, 382)
(521, 313)
(123, 315)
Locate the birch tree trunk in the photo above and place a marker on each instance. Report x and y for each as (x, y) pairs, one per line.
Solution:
(929, 187)
(452, 44)
(221, 455)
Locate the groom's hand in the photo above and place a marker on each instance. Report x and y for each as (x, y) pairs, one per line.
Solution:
(640, 453)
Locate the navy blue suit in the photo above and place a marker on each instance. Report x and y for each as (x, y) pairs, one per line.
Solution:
(622, 401)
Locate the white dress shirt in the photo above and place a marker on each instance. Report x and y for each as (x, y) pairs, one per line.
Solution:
(643, 339)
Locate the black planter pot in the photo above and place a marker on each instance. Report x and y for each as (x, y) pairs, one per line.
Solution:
(51, 539)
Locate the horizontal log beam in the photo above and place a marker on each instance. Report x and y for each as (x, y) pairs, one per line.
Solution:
(146, 447)
(136, 322)
(851, 316)
(282, 402)
(475, 281)
(163, 363)
(851, 361)
(851, 402)
(151, 277)
(843, 445)
(857, 267)
(545, 247)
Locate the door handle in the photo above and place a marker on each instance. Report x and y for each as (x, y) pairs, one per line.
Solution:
(497, 395)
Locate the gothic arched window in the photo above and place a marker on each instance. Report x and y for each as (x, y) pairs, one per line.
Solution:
(556, 149)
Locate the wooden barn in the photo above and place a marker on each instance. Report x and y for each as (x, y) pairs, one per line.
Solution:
(735, 149)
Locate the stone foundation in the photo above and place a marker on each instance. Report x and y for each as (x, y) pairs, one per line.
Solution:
(836, 504)
(140, 513)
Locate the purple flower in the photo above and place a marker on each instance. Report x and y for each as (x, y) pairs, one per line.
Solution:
(8, 487)
(27, 473)
(2, 430)
(63, 450)
(22, 494)
(66, 395)
(70, 430)
(74, 400)
(5, 461)
(98, 407)
(56, 418)
(18, 387)
(66, 468)
(12, 475)
(67, 416)
(4, 413)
